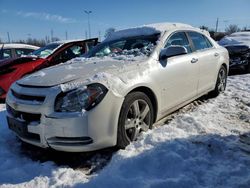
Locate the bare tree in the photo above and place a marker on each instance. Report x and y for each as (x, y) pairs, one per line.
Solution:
(203, 27)
(245, 29)
(232, 28)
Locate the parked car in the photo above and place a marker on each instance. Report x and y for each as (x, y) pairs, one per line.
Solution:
(238, 46)
(15, 50)
(132, 79)
(52, 54)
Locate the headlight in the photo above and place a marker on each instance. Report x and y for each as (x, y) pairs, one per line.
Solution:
(80, 99)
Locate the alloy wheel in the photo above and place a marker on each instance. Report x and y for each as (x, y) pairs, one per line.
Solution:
(138, 119)
(222, 80)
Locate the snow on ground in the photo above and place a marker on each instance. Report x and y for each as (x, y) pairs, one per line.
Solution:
(199, 147)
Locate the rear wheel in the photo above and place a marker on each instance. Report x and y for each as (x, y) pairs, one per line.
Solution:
(220, 83)
(136, 115)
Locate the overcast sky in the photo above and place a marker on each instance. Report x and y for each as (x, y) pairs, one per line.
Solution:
(36, 19)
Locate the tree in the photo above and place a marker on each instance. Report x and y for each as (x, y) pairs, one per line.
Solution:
(203, 27)
(245, 29)
(232, 28)
(109, 31)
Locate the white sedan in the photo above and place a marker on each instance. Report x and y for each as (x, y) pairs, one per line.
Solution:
(123, 86)
(15, 50)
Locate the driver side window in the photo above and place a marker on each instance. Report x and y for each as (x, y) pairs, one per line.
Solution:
(179, 39)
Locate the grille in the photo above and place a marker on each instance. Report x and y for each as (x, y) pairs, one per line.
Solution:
(22, 130)
(39, 99)
(28, 117)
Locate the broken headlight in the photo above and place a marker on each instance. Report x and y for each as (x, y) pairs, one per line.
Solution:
(80, 99)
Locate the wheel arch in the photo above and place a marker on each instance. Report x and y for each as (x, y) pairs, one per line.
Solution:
(225, 66)
(151, 96)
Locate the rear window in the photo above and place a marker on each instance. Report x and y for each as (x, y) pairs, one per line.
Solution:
(5, 53)
(22, 51)
(200, 41)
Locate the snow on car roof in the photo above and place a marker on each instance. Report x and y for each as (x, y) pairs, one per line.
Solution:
(149, 29)
(237, 38)
(18, 45)
(168, 26)
(240, 34)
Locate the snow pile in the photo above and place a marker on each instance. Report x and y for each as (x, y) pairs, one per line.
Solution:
(16, 169)
(199, 147)
(238, 38)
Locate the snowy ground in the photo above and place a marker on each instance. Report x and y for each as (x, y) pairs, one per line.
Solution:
(197, 147)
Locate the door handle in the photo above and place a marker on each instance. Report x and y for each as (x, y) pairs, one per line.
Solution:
(216, 54)
(194, 60)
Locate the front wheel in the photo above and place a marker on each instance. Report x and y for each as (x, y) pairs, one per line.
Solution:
(220, 83)
(136, 115)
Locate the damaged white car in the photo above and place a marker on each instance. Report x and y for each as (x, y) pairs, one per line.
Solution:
(122, 87)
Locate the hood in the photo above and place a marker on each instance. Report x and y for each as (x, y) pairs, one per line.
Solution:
(240, 38)
(73, 70)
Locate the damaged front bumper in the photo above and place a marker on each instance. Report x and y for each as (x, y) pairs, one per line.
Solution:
(37, 123)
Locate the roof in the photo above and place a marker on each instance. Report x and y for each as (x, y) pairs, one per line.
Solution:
(165, 26)
(19, 45)
(149, 29)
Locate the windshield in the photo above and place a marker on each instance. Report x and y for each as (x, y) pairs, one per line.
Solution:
(45, 51)
(135, 46)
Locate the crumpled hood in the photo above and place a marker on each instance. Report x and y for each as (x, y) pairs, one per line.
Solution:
(74, 70)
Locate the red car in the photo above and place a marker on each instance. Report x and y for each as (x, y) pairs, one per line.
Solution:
(52, 54)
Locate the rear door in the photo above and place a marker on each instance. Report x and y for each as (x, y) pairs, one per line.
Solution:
(207, 58)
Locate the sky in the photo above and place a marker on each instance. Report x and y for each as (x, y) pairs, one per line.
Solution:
(66, 19)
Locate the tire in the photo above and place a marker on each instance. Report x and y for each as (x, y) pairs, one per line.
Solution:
(220, 83)
(136, 115)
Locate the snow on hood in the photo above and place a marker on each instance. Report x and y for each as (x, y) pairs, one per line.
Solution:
(238, 38)
(112, 73)
(70, 71)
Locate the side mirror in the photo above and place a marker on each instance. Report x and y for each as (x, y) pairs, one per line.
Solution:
(172, 51)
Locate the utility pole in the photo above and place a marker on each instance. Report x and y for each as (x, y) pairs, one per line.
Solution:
(66, 35)
(86, 34)
(51, 35)
(99, 36)
(8, 34)
(88, 12)
(217, 23)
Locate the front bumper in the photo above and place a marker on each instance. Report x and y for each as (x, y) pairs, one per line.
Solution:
(71, 132)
